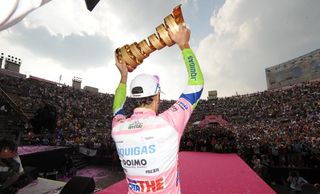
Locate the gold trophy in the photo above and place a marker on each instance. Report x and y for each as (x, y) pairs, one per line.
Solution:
(134, 54)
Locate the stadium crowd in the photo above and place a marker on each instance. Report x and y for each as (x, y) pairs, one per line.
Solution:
(271, 128)
(80, 117)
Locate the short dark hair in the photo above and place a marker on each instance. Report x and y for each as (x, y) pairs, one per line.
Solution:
(138, 102)
(294, 173)
(8, 145)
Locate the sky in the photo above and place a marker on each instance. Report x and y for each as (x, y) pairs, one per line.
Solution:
(234, 41)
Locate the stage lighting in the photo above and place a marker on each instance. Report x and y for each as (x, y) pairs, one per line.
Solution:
(91, 4)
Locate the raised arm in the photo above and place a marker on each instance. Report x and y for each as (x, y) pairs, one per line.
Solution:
(195, 84)
(120, 94)
(179, 113)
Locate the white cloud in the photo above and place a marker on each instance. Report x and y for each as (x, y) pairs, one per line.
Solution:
(41, 40)
(246, 36)
(249, 36)
(74, 51)
(120, 20)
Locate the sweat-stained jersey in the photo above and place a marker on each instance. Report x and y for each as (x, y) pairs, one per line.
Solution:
(148, 144)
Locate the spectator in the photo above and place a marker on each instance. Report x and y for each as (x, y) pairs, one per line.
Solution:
(280, 128)
(10, 165)
(296, 182)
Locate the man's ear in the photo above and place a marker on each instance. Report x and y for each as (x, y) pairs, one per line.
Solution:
(158, 96)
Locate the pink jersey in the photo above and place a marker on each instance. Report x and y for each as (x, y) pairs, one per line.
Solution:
(148, 146)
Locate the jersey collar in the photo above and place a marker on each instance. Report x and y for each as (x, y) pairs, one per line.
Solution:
(143, 112)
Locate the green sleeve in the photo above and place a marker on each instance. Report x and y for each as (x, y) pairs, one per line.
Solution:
(194, 89)
(195, 76)
(119, 99)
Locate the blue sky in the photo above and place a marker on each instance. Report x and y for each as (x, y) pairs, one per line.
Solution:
(234, 41)
(198, 15)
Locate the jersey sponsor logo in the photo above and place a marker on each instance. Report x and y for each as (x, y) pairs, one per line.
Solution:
(152, 171)
(135, 125)
(173, 109)
(192, 68)
(136, 151)
(182, 105)
(141, 186)
(134, 163)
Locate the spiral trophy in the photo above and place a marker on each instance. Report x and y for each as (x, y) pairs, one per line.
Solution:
(134, 54)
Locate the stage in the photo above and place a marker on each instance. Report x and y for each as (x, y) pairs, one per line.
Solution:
(209, 173)
(201, 173)
(44, 158)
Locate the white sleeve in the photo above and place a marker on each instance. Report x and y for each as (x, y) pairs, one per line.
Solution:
(13, 11)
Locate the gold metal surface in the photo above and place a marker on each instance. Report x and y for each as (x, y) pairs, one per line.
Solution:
(156, 41)
(172, 25)
(146, 48)
(136, 51)
(126, 57)
(134, 54)
(164, 35)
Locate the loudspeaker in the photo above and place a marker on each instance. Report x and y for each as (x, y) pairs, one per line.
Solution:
(79, 185)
